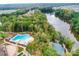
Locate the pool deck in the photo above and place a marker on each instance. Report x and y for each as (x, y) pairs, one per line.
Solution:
(19, 42)
(12, 46)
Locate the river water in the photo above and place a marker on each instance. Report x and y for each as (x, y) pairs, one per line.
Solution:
(6, 11)
(63, 28)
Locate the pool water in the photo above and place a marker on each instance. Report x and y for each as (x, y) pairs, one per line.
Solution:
(58, 48)
(21, 37)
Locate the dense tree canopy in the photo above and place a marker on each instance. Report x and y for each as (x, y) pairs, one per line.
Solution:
(64, 14)
(67, 42)
(46, 10)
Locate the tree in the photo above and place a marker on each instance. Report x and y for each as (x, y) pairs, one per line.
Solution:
(67, 42)
(64, 14)
(75, 24)
(49, 52)
(46, 10)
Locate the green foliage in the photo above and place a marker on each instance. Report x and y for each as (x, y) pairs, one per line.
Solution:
(64, 14)
(75, 24)
(1, 28)
(76, 53)
(41, 43)
(67, 42)
(3, 35)
(20, 12)
(49, 52)
(46, 10)
(18, 23)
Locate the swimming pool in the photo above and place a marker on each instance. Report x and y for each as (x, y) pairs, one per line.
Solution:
(21, 37)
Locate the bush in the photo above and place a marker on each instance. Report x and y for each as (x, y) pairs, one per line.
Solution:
(76, 53)
(67, 42)
(3, 35)
(64, 14)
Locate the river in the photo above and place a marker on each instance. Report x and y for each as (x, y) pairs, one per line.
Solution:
(71, 7)
(6, 11)
(63, 28)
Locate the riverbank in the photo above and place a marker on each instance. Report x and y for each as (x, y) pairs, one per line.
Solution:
(72, 18)
(7, 11)
(76, 35)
